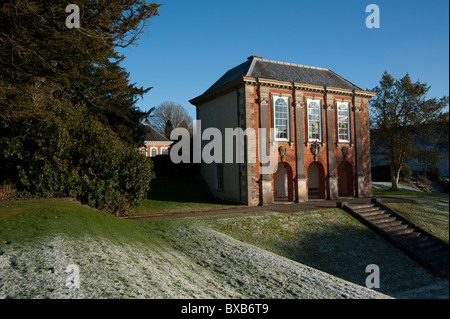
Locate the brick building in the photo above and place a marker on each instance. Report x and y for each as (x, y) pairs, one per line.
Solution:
(322, 130)
(154, 143)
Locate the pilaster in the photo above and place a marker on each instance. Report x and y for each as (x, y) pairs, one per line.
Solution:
(301, 180)
(358, 147)
(266, 179)
(332, 180)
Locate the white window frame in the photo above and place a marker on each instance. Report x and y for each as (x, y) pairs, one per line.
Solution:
(338, 122)
(164, 149)
(220, 184)
(143, 151)
(288, 127)
(151, 151)
(308, 113)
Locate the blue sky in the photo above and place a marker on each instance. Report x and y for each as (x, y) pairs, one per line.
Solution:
(193, 43)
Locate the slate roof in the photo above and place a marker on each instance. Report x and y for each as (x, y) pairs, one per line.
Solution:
(267, 69)
(152, 135)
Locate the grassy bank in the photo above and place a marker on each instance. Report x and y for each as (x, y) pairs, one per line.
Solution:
(173, 258)
(270, 255)
(332, 241)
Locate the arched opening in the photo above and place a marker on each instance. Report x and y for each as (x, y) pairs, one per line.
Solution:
(283, 183)
(345, 181)
(316, 180)
(280, 182)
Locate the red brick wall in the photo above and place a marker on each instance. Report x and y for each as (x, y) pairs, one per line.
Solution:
(253, 117)
(365, 136)
(351, 155)
(157, 146)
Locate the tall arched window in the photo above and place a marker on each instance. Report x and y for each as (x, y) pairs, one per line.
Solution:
(314, 121)
(281, 118)
(343, 115)
(154, 152)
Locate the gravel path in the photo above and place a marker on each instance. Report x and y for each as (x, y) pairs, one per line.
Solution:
(280, 207)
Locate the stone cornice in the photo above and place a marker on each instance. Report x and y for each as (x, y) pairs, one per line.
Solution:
(158, 142)
(275, 84)
(366, 94)
(338, 91)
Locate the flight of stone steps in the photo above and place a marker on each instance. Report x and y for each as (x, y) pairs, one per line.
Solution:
(424, 248)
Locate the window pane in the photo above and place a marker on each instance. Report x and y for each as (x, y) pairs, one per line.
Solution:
(281, 117)
(343, 121)
(314, 125)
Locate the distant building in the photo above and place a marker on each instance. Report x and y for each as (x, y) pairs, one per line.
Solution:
(380, 166)
(154, 143)
(322, 130)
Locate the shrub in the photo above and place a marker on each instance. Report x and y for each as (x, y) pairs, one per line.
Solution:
(424, 182)
(62, 150)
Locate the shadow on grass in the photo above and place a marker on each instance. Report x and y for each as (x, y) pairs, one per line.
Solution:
(345, 252)
(185, 189)
(337, 244)
(171, 195)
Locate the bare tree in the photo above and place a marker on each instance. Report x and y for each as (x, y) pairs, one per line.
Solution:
(169, 115)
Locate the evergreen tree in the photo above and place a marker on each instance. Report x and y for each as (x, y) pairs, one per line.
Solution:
(37, 48)
(68, 120)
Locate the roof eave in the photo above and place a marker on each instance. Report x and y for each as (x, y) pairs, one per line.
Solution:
(230, 86)
(221, 90)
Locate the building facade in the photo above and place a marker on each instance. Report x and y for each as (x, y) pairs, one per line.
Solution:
(321, 124)
(154, 143)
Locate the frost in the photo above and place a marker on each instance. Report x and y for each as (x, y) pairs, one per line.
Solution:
(196, 263)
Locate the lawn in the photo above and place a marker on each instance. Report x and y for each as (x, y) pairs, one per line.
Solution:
(173, 195)
(316, 254)
(333, 242)
(170, 258)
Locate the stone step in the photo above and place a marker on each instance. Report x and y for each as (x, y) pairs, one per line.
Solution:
(416, 243)
(424, 241)
(372, 213)
(396, 228)
(407, 236)
(373, 218)
(386, 222)
(362, 206)
(367, 210)
(401, 231)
